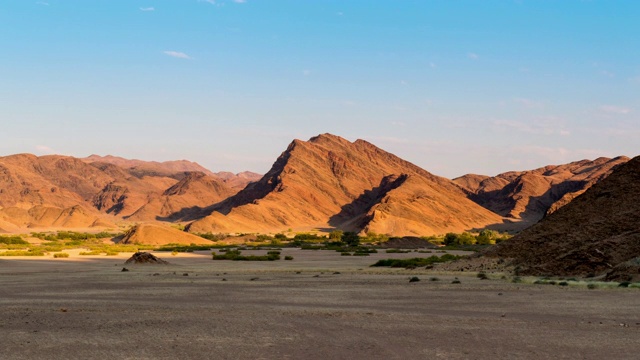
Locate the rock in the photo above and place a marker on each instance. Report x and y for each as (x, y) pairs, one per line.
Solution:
(144, 258)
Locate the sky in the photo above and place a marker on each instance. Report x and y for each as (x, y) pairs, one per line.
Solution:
(455, 87)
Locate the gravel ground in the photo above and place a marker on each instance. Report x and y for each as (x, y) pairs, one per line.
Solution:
(320, 305)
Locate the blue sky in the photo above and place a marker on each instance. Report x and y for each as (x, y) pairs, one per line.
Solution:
(452, 86)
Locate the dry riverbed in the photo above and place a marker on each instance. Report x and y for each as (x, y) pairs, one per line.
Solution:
(318, 306)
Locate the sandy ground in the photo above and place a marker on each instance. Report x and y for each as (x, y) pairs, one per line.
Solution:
(318, 306)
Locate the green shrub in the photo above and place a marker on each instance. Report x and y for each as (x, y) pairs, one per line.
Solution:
(60, 255)
(288, 257)
(482, 276)
(456, 281)
(414, 279)
(13, 240)
(345, 254)
(516, 279)
(563, 283)
(32, 252)
(624, 284)
(591, 286)
(416, 262)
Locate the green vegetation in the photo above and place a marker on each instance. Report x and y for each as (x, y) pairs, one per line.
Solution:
(485, 237)
(22, 253)
(71, 235)
(416, 262)
(397, 251)
(236, 255)
(12, 240)
(60, 255)
(213, 237)
(288, 257)
(414, 279)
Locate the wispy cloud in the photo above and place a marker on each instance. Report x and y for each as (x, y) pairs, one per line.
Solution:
(528, 103)
(239, 1)
(43, 3)
(177, 54)
(616, 110)
(147, 9)
(544, 126)
(473, 56)
(43, 149)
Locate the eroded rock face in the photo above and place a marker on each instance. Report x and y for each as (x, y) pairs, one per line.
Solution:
(330, 182)
(530, 195)
(594, 234)
(145, 258)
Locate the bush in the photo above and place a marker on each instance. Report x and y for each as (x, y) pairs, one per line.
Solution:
(591, 286)
(397, 251)
(624, 284)
(345, 254)
(416, 262)
(456, 281)
(288, 257)
(414, 279)
(563, 283)
(12, 240)
(61, 255)
(350, 239)
(482, 276)
(236, 255)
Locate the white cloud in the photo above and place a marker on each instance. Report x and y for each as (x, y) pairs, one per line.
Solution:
(543, 126)
(612, 109)
(473, 56)
(43, 149)
(42, 3)
(528, 103)
(147, 9)
(177, 54)
(239, 1)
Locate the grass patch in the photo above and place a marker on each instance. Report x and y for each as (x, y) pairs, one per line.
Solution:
(23, 253)
(12, 240)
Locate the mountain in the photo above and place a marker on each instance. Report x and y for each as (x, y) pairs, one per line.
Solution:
(530, 195)
(596, 233)
(66, 192)
(238, 181)
(329, 182)
(153, 168)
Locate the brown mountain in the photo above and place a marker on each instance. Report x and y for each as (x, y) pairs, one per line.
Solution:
(154, 168)
(596, 233)
(238, 181)
(62, 191)
(529, 195)
(329, 182)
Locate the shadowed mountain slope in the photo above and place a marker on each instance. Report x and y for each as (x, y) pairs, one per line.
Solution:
(593, 234)
(529, 195)
(330, 182)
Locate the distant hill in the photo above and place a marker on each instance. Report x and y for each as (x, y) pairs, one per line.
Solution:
(596, 233)
(529, 195)
(62, 191)
(329, 182)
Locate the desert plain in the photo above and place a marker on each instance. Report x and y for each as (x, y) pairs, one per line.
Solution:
(318, 306)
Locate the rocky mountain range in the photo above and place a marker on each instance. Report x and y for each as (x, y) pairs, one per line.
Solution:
(324, 183)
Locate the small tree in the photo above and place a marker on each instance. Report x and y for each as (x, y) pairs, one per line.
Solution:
(336, 235)
(451, 239)
(350, 238)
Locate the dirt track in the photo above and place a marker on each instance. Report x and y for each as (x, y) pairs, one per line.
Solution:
(66, 309)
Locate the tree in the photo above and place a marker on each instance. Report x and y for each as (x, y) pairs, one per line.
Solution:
(336, 235)
(350, 238)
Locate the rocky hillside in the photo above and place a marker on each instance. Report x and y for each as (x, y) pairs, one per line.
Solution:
(529, 195)
(329, 182)
(596, 233)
